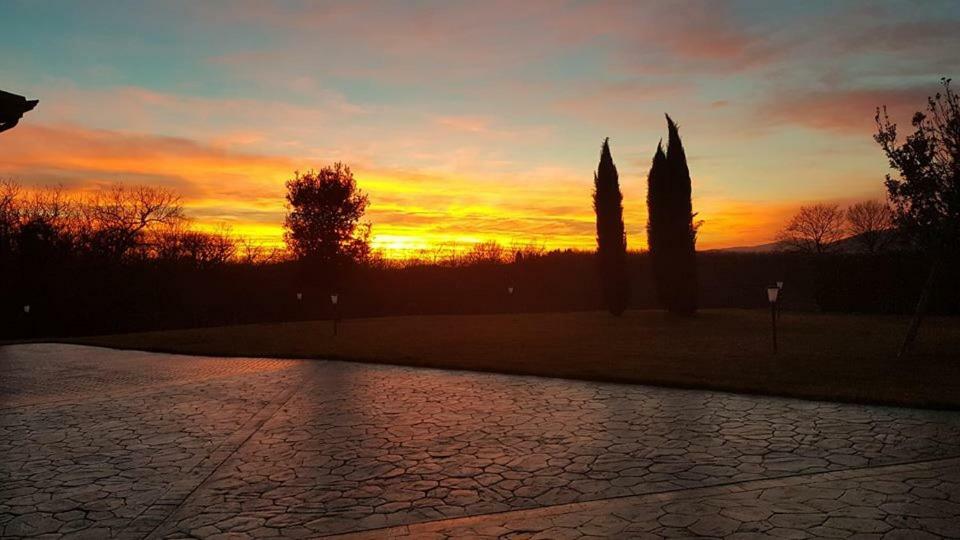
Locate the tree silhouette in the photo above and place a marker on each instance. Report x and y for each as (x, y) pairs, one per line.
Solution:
(871, 224)
(323, 221)
(925, 193)
(671, 231)
(118, 220)
(814, 229)
(9, 217)
(611, 238)
(192, 248)
(656, 224)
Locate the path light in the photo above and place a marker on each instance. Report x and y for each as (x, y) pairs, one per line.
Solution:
(779, 298)
(510, 289)
(334, 298)
(773, 294)
(26, 309)
(299, 296)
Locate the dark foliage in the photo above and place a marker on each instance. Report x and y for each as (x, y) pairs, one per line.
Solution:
(75, 295)
(671, 232)
(611, 238)
(925, 193)
(78, 263)
(656, 224)
(323, 223)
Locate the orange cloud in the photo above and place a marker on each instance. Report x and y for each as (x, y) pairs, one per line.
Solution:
(94, 156)
(843, 111)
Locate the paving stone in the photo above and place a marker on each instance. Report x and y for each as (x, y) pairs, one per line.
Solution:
(714, 525)
(118, 442)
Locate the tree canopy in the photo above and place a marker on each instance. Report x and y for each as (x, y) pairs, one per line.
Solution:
(323, 219)
(671, 231)
(611, 238)
(925, 189)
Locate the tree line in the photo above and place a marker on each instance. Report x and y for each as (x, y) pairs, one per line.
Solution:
(820, 228)
(114, 250)
(112, 225)
(323, 226)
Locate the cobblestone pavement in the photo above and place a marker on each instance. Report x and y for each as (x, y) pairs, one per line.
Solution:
(101, 443)
(889, 502)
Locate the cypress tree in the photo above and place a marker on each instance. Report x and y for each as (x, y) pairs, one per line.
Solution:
(671, 232)
(657, 228)
(611, 238)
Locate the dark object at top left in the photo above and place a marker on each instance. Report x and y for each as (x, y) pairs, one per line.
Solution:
(12, 109)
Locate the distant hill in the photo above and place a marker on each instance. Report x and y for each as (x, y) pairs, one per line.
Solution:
(850, 244)
(759, 248)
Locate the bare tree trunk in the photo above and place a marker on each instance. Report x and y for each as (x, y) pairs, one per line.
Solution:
(921, 309)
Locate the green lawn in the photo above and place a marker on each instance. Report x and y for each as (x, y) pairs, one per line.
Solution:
(833, 357)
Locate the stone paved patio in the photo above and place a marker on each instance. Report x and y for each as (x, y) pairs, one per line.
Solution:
(98, 443)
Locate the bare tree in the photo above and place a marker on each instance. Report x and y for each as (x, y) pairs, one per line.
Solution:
(442, 253)
(814, 229)
(871, 224)
(47, 225)
(252, 252)
(117, 220)
(489, 252)
(198, 249)
(527, 250)
(9, 215)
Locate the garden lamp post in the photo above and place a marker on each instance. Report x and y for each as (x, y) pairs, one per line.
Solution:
(779, 297)
(334, 298)
(12, 109)
(773, 293)
(27, 320)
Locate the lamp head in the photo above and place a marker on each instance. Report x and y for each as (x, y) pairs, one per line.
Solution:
(772, 293)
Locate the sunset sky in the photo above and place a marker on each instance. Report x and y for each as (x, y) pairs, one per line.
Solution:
(469, 121)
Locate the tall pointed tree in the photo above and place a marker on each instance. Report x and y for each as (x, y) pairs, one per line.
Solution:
(671, 232)
(611, 238)
(682, 217)
(657, 229)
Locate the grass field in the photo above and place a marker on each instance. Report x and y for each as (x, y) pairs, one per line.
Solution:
(832, 357)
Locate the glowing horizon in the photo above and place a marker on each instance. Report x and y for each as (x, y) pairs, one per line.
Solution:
(468, 123)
